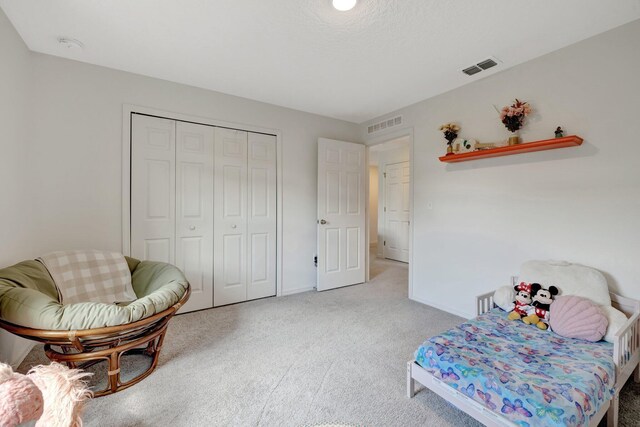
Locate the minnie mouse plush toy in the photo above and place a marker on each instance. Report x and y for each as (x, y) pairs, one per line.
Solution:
(522, 304)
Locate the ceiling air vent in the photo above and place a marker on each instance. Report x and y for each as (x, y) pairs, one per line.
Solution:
(481, 66)
(474, 69)
(487, 63)
(385, 124)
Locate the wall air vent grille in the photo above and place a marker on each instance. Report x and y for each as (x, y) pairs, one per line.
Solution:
(481, 66)
(385, 124)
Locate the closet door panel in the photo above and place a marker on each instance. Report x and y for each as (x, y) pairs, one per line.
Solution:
(194, 211)
(153, 188)
(233, 253)
(230, 217)
(156, 250)
(261, 226)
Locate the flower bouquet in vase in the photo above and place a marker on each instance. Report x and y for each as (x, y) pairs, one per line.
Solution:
(450, 131)
(513, 116)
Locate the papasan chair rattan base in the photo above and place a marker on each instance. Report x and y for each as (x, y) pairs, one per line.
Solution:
(84, 348)
(77, 347)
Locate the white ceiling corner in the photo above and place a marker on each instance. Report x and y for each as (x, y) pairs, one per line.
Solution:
(305, 55)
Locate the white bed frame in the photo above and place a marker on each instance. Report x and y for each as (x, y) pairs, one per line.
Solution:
(626, 355)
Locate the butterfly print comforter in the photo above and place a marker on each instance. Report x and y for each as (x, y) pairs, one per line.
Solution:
(529, 376)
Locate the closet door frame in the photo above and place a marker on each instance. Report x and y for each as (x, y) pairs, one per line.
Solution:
(129, 109)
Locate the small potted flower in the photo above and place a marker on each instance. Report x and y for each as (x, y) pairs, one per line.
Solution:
(512, 116)
(450, 131)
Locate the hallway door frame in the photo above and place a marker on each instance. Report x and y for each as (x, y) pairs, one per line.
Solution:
(372, 142)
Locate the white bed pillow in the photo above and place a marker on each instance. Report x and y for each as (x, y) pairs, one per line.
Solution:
(576, 279)
(570, 279)
(617, 320)
(503, 297)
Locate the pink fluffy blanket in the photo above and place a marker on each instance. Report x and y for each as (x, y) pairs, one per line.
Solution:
(53, 395)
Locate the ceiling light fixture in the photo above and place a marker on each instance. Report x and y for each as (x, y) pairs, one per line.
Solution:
(344, 5)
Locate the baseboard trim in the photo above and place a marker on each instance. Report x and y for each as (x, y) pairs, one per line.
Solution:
(297, 290)
(22, 355)
(442, 307)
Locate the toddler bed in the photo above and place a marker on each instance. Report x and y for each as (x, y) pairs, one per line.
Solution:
(505, 372)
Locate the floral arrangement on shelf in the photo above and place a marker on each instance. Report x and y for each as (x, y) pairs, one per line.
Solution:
(512, 116)
(450, 131)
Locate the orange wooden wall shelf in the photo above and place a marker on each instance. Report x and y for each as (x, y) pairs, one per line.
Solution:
(526, 147)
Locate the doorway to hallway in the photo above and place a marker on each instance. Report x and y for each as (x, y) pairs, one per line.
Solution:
(389, 203)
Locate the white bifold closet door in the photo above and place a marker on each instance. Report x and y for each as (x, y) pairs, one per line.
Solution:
(194, 210)
(153, 181)
(244, 216)
(172, 200)
(204, 198)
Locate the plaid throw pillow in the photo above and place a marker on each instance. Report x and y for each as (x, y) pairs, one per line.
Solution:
(90, 276)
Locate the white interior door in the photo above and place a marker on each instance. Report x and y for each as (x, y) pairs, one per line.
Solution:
(396, 227)
(153, 188)
(194, 211)
(261, 226)
(341, 213)
(230, 217)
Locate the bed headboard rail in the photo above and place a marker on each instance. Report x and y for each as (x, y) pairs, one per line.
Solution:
(626, 346)
(628, 306)
(484, 303)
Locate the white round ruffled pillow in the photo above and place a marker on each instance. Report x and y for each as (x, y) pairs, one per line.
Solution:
(503, 297)
(616, 319)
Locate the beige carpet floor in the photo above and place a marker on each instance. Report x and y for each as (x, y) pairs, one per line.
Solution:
(313, 358)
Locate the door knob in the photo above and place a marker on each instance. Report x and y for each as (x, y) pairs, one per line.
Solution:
(323, 222)
(193, 227)
(233, 226)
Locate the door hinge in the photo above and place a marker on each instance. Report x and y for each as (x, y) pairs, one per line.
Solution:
(384, 243)
(385, 208)
(385, 174)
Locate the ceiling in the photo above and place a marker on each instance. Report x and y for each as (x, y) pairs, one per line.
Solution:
(305, 55)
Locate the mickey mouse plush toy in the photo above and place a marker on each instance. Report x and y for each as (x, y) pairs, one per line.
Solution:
(522, 304)
(539, 313)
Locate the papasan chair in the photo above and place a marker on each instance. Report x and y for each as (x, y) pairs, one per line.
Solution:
(81, 334)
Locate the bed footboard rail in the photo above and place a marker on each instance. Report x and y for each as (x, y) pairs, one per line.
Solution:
(416, 373)
(626, 349)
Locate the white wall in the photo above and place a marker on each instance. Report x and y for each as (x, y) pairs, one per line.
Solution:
(15, 73)
(61, 162)
(15, 210)
(76, 151)
(373, 205)
(579, 204)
